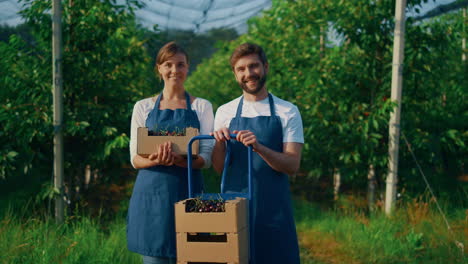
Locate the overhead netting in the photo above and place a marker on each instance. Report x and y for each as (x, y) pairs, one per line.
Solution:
(195, 15)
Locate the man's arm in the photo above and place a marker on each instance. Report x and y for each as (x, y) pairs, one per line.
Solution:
(219, 149)
(287, 162)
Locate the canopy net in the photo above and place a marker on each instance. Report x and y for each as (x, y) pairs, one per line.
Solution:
(194, 15)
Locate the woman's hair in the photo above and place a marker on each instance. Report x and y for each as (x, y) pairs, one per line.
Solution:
(247, 49)
(167, 51)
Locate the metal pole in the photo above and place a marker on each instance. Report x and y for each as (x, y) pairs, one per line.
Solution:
(394, 126)
(58, 111)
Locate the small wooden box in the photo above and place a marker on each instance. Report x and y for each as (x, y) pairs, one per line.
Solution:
(147, 144)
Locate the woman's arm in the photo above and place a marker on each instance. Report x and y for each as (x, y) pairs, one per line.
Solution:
(138, 120)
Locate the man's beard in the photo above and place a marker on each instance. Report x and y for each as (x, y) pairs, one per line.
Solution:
(260, 83)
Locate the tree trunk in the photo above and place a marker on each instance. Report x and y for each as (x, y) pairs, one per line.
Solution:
(371, 186)
(87, 176)
(336, 183)
(322, 41)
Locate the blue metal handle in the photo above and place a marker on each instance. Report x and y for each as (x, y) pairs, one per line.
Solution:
(226, 163)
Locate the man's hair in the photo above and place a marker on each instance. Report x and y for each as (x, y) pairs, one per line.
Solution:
(247, 49)
(167, 51)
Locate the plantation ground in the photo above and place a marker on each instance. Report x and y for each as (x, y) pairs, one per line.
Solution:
(415, 234)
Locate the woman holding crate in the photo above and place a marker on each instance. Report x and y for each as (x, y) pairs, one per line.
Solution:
(162, 176)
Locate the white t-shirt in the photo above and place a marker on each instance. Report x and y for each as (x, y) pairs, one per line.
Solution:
(201, 106)
(288, 113)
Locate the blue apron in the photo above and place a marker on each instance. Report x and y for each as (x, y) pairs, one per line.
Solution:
(275, 239)
(150, 220)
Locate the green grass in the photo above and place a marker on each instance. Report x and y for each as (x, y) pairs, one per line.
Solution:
(414, 234)
(80, 240)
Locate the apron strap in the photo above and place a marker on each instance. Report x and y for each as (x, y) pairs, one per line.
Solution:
(187, 101)
(272, 105)
(155, 110)
(270, 101)
(189, 107)
(239, 107)
(158, 101)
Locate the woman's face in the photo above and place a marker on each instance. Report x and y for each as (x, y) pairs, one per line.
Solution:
(174, 70)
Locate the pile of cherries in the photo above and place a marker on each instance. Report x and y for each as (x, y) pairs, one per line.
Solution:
(197, 205)
(165, 133)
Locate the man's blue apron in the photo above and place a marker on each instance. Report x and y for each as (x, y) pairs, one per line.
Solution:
(150, 220)
(275, 232)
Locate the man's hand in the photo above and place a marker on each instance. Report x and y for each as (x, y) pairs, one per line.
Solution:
(221, 135)
(217, 157)
(247, 138)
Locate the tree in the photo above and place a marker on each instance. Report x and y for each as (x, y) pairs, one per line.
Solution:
(343, 94)
(106, 70)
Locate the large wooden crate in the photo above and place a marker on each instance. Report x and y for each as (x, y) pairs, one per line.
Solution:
(213, 237)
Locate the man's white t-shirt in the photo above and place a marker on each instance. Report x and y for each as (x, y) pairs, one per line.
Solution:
(201, 106)
(288, 113)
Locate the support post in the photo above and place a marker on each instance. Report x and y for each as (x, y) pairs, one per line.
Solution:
(57, 105)
(394, 125)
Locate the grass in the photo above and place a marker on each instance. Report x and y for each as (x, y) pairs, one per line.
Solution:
(80, 240)
(416, 233)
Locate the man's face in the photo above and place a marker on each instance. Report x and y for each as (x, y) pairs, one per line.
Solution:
(251, 73)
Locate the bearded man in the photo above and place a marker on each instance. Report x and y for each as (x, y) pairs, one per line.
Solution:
(273, 127)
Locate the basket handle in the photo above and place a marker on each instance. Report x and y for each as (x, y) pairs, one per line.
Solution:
(226, 163)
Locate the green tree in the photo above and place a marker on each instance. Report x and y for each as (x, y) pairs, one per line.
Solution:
(106, 69)
(342, 91)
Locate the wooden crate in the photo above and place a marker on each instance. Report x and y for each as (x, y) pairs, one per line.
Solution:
(213, 237)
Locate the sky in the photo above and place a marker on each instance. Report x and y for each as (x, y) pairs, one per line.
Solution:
(184, 14)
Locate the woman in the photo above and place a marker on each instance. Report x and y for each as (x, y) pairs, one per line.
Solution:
(162, 176)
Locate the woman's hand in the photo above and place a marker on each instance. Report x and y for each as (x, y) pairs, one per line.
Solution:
(163, 155)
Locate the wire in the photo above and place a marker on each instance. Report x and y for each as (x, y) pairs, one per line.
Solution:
(428, 187)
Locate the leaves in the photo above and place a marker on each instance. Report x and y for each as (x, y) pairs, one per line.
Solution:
(106, 69)
(343, 93)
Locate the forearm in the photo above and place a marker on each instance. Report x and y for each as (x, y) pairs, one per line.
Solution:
(217, 157)
(140, 162)
(197, 163)
(285, 162)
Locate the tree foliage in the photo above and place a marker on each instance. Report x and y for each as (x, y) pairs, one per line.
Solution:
(342, 89)
(105, 70)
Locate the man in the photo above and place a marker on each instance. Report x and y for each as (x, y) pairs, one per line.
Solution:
(273, 127)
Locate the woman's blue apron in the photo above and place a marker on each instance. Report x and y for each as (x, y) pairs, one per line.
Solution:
(275, 239)
(150, 220)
